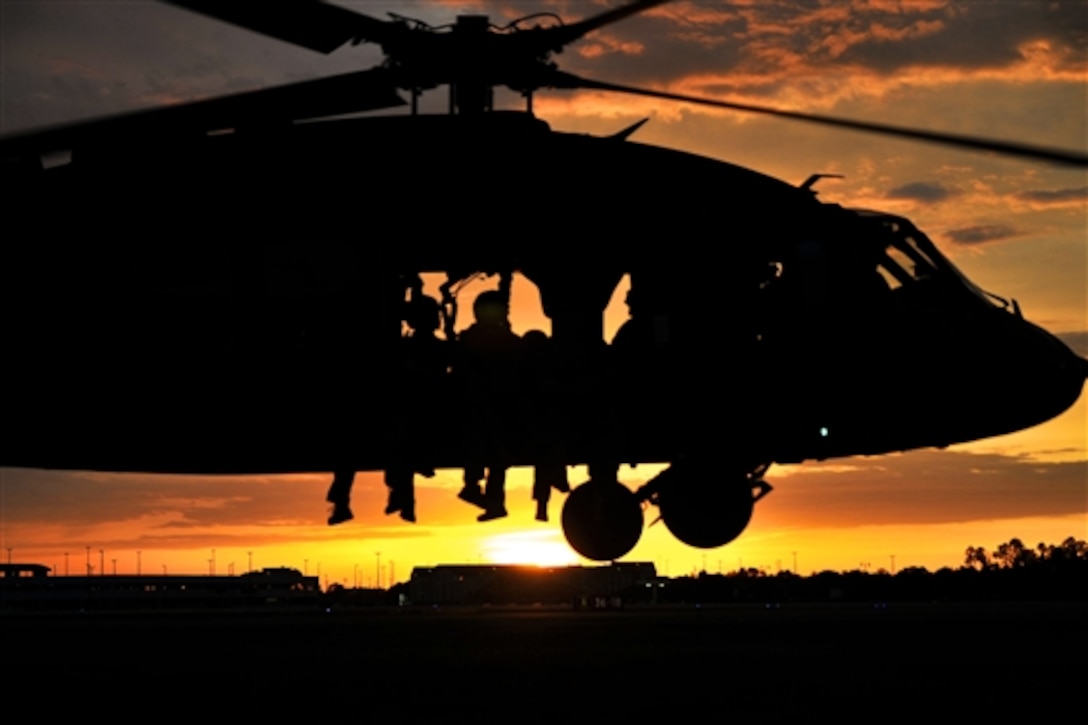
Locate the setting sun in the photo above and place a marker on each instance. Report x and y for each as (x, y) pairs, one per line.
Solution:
(539, 548)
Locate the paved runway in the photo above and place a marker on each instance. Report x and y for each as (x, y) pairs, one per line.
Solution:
(794, 663)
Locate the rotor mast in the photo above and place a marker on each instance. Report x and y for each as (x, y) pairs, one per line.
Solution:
(471, 91)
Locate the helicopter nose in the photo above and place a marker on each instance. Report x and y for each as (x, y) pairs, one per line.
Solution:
(1069, 371)
(1083, 363)
(1042, 376)
(1071, 365)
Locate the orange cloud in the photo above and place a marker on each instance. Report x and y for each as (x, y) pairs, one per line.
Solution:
(604, 44)
(691, 14)
(838, 43)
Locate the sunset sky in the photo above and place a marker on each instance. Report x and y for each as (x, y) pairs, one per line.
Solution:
(1010, 69)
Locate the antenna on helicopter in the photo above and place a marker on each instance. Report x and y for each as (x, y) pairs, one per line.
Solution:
(808, 183)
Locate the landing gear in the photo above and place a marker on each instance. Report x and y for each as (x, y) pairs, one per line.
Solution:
(602, 520)
(701, 511)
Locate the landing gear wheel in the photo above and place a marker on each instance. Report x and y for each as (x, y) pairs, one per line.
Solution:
(707, 514)
(602, 521)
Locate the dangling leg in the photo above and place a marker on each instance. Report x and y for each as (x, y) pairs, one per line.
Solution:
(471, 492)
(408, 509)
(494, 494)
(542, 491)
(401, 493)
(557, 477)
(339, 496)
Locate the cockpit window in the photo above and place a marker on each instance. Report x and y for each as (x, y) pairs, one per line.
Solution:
(904, 262)
(893, 268)
(910, 257)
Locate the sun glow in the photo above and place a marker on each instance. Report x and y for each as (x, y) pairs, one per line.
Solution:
(539, 548)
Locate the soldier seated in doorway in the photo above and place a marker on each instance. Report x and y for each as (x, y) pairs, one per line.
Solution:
(542, 390)
(423, 373)
(487, 369)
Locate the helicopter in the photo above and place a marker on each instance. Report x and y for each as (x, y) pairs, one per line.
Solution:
(236, 325)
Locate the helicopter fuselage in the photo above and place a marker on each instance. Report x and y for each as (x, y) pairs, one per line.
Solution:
(233, 302)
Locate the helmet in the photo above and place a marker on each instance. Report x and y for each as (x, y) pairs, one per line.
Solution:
(422, 313)
(491, 307)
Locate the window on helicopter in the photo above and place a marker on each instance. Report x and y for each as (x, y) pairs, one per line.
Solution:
(924, 266)
(905, 262)
(892, 273)
(944, 268)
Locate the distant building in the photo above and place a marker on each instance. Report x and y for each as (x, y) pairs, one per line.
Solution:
(464, 584)
(23, 571)
(27, 586)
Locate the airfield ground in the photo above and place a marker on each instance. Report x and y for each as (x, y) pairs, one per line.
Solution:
(792, 663)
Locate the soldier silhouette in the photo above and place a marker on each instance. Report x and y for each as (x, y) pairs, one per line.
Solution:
(422, 372)
(541, 386)
(487, 369)
(423, 377)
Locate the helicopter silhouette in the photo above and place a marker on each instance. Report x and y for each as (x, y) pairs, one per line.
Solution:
(237, 317)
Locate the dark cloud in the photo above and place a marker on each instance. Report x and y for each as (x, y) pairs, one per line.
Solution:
(981, 233)
(81, 498)
(922, 191)
(248, 538)
(1054, 196)
(75, 60)
(168, 506)
(1077, 341)
(789, 40)
(926, 487)
(913, 488)
(975, 35)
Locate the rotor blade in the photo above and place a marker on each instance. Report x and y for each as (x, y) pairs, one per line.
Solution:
(308, 23)
(348, 93)
(562, 80)
(564, 34)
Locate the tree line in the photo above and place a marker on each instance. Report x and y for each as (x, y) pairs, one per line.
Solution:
(1014, 555)
(1011, 572)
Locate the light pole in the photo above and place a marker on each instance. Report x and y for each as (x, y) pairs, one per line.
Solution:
(66, 563)
(101, 562)
(378, 570)
(249, 554)
(88, 560)
(138, 562)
